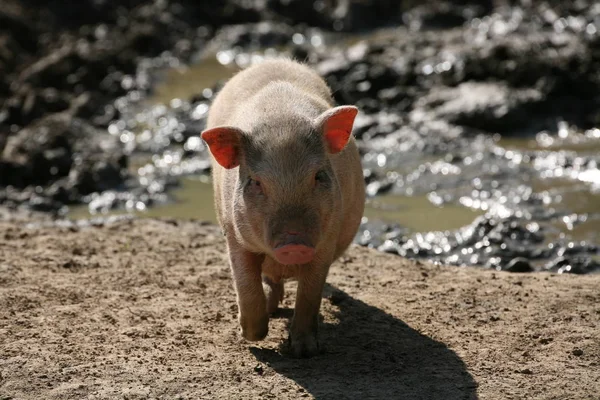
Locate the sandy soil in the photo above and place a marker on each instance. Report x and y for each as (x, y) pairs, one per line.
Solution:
(145, 309)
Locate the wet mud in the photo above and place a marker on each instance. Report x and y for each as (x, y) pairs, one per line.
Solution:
(485, 114)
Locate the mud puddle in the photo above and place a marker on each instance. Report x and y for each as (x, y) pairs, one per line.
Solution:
(192, 196)
(192, 199)
(187, 82)
(520, 204)
(478, 126)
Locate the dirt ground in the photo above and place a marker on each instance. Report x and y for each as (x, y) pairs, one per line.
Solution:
(145, 309)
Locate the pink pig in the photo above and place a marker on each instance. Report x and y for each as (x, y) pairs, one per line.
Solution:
(289, 190)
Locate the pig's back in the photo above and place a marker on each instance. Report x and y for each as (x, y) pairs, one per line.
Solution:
(244, 86)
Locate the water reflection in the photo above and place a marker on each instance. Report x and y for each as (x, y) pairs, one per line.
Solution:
(434, 191)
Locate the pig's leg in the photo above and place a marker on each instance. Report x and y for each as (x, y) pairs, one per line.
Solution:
(252, 304)
(303, 332)
(274, 293)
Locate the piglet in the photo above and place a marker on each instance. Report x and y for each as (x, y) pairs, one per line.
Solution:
(289, 191)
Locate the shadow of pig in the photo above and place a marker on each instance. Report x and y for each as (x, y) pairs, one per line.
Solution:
(370, 354)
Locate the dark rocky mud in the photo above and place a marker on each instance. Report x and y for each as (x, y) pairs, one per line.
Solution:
(492, 106)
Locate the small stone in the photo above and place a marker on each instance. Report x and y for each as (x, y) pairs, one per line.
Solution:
(519, 264)
(577, 352)
(526, 371)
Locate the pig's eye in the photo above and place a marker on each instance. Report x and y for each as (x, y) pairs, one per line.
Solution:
(321, 177)
(254, 186)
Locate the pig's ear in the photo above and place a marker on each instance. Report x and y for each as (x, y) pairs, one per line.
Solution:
(225, 145)
(336, 125)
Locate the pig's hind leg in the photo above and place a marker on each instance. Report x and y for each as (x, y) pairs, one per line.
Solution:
(252, 304)
(274, 293)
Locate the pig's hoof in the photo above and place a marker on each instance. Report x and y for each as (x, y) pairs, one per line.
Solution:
(254, 329)
(303, 346)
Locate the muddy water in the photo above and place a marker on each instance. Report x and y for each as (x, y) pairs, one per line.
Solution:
(417, 213)
(188, 81)
(193, 197)
(194, 200)
(574, 191)
(422, 204)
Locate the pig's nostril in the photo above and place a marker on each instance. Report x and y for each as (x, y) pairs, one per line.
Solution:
(294, 254)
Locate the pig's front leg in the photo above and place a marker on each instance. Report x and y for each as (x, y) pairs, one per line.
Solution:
(303, 333)
(246, 270)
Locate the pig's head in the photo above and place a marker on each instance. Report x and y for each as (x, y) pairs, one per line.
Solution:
(287, 193)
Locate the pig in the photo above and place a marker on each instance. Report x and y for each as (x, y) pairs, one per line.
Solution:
(288, 189)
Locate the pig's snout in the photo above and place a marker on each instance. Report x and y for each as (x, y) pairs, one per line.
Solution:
(294, 249)
(294, 254)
